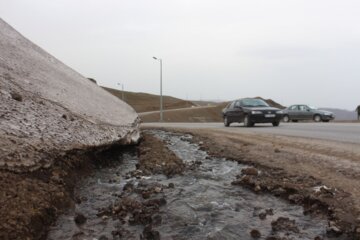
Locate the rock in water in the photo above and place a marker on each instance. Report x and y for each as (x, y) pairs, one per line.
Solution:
(79, 218)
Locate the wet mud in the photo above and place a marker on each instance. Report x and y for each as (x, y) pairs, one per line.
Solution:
(130, 199)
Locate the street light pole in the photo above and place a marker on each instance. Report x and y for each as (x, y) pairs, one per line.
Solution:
(122, 90)
(161, 96)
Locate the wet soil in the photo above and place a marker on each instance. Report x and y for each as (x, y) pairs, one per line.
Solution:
(129, 199)
(30, 202)
(154, 158)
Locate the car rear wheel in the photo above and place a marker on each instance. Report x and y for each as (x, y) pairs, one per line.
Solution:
(275, 124)
(286, 118)
(317, 118)
(226, 122)
(247, 122)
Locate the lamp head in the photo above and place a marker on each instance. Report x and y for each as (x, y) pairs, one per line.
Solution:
(155, 58)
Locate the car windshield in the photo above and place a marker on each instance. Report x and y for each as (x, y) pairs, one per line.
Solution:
(254, 103)
(312, 107)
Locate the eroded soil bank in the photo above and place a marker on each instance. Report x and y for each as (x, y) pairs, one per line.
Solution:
(169, 188)
(31, 202)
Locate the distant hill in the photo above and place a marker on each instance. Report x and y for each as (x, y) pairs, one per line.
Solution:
(272, 103)
(342, 114)
(145, 102)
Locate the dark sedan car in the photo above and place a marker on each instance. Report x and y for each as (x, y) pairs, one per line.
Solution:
(251, 111)
(305, 112)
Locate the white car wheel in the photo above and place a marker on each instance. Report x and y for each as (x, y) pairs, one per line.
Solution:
(286, 118)
(317, 118)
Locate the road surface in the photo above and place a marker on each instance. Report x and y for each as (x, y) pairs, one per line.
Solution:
(344, 132)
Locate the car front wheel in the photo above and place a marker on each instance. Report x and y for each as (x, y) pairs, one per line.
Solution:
(317, 118)
(226, 122)
(247, 122)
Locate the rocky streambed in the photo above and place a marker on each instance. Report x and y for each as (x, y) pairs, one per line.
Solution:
(177, 191)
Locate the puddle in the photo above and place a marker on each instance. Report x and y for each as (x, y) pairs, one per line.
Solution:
(203, 204)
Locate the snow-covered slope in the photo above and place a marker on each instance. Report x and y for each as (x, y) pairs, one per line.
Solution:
(47, 108)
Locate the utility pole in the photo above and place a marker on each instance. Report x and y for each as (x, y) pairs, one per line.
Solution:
(161, 96)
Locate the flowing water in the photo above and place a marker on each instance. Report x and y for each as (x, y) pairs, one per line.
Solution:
(203, 204)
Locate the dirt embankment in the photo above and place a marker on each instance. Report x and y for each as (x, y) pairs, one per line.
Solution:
(318, 175)
(145, 102)
(31, 201)
(155, 158)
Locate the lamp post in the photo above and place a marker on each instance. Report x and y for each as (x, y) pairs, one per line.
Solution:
(161, 97)
(122, 90)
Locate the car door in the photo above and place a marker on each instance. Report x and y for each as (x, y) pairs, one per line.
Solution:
(238, 112)
(308, 114)
(305, 113)
(294, 112)
(230, 112)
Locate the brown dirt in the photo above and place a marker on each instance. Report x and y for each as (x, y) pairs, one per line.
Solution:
(154, 157)
(291, 167)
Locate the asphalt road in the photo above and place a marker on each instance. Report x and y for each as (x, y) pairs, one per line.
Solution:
(344, 132)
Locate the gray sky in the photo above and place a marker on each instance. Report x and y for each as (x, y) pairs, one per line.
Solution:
(293, 51)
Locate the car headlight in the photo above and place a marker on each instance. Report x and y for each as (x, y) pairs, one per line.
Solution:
(279, 112)
(256, 112)
(327, 114)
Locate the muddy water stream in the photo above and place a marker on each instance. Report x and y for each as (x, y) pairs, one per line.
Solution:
(202, 205)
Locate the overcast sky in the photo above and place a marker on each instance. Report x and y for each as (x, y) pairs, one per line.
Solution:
(293, 51)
